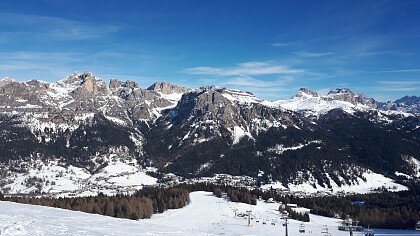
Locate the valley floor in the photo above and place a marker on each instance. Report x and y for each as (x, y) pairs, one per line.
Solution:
(205, 215)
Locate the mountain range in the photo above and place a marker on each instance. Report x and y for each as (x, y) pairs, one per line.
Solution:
(83, 123)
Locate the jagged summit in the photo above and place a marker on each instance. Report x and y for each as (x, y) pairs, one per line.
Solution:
(307, 92)
(345, 94)
(408, 100)
(6, 80)
(339, 91)
(9, 79)
(115, 84)
(78, 78)
(167, 88)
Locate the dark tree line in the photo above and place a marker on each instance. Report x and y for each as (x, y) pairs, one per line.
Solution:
(400, 210)
(296, 215)
(141, 205)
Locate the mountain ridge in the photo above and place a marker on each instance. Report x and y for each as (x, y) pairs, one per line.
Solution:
(309, 139)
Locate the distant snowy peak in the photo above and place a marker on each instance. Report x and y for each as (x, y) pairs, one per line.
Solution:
(345, 94)
(409, 104)
(305, 92)
(6, 80)
(340, 91)
(408, 100)
(242, 97)
(315, 106)
(311, 103)
(78, 78)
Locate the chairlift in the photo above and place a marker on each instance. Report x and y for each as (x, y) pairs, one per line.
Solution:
(324, 230)
(369, 232)
(301, 228)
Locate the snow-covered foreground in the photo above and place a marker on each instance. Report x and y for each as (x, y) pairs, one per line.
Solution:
(205, 215)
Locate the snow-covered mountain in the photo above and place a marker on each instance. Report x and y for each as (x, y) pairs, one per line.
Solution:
(76, 132)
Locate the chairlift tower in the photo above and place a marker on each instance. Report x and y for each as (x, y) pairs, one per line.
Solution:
(285, 224)
(352, 227)
(235, 210)
(249, 217)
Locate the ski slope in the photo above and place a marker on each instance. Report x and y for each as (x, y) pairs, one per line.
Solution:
(205, 215)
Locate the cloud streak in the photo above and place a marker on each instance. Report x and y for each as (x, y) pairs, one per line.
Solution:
(399, 86)
(55, 27)
(313, 54)
(396, 71)
(245, 69)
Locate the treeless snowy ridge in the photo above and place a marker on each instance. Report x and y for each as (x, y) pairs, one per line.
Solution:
(205, 215)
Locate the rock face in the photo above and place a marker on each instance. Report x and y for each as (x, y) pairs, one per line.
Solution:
(167, 88)
(410, 104)
(306, 91)
(323, 140)
(345, 94)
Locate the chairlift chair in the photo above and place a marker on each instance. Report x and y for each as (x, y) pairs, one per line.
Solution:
(369, 233)
(324, 230)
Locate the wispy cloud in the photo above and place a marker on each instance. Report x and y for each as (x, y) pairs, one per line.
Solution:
(54, 65)
(399, 86)
(279, 45)
(396, 71)
(245, 69)
(267, 79)
(256, 83)
(55, 27)
(400, 83)
(313, 54)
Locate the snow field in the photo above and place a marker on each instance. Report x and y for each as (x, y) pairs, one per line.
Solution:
(205, 215)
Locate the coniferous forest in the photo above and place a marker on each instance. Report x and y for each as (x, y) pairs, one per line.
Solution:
(392, 210)
(141, 205)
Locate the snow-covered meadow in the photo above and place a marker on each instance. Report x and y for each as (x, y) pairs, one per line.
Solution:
(119, 176)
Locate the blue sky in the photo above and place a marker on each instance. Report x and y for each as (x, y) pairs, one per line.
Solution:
(271, 48)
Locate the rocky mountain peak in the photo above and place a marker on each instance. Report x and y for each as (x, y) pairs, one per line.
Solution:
(6, 80)
(408, 100)
(307, 92)
(167, 88)
(115, 84)
(410, 104)
(89, 85)
(210, 87)
(345, 94)
(340, 91)
(78, 78)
